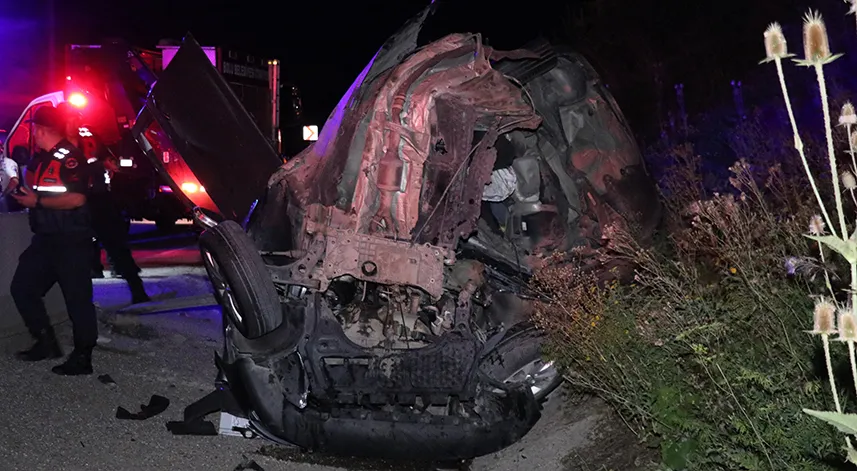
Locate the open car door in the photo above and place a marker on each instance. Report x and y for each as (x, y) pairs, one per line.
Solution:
(197, 133)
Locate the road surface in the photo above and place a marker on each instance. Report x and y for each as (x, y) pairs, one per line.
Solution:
(157, 249)
(70, 423)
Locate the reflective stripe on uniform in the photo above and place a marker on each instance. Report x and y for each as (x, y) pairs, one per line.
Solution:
(51, 189)
(48, 178)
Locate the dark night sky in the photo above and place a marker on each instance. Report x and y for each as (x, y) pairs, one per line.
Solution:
(324, 45)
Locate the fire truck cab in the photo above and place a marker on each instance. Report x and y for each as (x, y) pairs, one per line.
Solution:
(19, 135)
(109, 84)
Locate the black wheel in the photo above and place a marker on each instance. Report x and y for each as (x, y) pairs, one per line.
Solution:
(518, 359)
(242, 285)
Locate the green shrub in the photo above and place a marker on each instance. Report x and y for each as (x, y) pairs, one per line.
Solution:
(719, 352)
(706, 352)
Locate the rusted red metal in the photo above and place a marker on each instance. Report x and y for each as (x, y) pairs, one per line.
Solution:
(386, 226)
(379, 260)
(386, 196)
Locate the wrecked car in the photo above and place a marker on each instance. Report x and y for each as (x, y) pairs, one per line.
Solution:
(374, 287)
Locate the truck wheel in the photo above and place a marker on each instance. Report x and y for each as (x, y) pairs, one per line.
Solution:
(242, 285)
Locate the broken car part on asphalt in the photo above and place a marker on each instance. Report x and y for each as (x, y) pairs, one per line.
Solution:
(156, 405)
(232, 419)
(106, 379)
(375, 296)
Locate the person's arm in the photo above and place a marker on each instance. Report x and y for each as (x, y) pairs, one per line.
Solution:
(62, 201)
(66, 200)
(10, 168)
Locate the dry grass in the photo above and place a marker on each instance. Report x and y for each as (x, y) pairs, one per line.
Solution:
(706, 350)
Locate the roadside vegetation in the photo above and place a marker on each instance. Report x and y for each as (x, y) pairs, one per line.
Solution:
(734, 346)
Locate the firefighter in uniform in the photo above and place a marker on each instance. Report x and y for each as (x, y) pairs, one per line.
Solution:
(61, 247)
(107, 220)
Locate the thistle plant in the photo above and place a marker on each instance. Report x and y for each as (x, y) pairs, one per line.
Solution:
(850, 184)
(816, 228)
(852, 145)
(848, 118)
(776, 49)
(824, 325)
(817, 54)
(848, 334)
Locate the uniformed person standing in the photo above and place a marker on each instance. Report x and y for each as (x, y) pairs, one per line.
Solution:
(61, 247)
(74, 133)
(107, 221)
(110, 228)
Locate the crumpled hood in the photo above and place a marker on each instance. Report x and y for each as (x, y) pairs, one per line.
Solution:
(382, 134)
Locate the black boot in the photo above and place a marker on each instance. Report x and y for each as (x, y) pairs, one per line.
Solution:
(138, 292)
(46, 347)
(79, 362)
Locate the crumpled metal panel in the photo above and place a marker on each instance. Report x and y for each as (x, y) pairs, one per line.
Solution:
(403, 115)
(386, 199)
(478, 174)
(380, 260)
(446, 172)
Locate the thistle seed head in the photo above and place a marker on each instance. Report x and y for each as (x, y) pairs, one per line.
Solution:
(847, 326)
(816, 225)
(824, 322)
(848, 116)
(775, 42)
(848, 181)
(815, 43)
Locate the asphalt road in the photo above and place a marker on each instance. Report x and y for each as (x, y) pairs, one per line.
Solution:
(54, 423)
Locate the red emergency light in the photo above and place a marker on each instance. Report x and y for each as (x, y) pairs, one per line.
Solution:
(77, 100)
(191, 187)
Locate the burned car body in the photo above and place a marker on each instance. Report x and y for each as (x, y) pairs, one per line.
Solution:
(375, 300)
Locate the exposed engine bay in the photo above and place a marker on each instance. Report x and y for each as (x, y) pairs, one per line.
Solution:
(376, 298)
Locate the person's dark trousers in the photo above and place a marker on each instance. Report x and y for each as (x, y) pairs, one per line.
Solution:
(63, 259)
(97, 267)
(110, 232)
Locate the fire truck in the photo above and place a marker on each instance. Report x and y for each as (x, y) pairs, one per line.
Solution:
(108, 84)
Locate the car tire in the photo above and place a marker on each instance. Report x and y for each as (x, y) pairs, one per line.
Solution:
(242, 284)
(520, 350)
